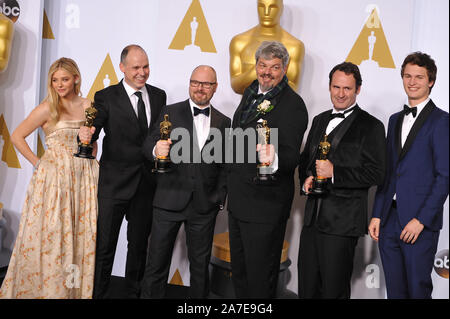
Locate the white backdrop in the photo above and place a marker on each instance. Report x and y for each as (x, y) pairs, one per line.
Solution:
(94, 33)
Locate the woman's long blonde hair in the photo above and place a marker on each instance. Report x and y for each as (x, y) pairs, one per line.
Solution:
(52, 98)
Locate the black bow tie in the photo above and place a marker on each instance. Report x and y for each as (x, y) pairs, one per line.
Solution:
(407, 110)
(335, 115)
(198, 111)
(340, 115)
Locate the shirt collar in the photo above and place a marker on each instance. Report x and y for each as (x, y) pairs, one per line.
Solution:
(343, 111)
(261, 92)
(130, 91)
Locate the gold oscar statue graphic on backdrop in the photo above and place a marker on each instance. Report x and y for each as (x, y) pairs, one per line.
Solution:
(244, 45)
(7, 152)
(6, 37)
(106, 76)
(47, 32)
(371, 47)
(193, 33)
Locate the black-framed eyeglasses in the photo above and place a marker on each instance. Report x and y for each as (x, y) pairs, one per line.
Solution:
(206, 85)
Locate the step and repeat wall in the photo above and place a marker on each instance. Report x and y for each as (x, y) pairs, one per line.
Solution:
(181, 34)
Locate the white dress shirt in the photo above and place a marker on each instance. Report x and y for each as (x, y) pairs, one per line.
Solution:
(202, 124)
(337, 120)
(408, 120)
(134, 99)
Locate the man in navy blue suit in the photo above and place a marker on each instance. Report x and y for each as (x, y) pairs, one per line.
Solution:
(408, 209)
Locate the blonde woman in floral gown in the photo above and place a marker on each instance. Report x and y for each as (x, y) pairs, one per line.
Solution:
(54, 252)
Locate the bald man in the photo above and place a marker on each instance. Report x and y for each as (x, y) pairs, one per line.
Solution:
(126, 112)
(193, 192)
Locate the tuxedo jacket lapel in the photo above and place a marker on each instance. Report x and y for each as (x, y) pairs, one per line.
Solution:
(153, 101)
(238, 113)
(215, 123)
(398, 133)
(343, 127)
(416, 127)
(214, 119)
(187, 118)
(255, 116)
(319, 132)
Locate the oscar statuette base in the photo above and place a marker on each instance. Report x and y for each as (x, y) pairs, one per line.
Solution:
(264, 175)
(84, 151)
(162, 165)
(319, 187)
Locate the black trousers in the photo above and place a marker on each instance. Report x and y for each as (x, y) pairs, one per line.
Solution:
(199, 230)
(255, 257)
(325, 264)
(138, 213)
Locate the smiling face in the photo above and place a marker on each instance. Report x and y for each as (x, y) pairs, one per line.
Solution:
(136, 68)
(416, 83)
(202, 76)
(63, 83)
(269, 12)
(343, 90)
(269, 73)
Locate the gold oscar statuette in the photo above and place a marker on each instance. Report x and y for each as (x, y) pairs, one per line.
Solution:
(163, 163)
(264, 172)
(244, 45)
(85, 147)
(6, 38)
(320, 182)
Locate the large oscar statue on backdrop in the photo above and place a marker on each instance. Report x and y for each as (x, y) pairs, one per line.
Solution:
(6, 37)
(243, 47)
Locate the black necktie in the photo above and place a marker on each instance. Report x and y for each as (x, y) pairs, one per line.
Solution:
(198, 111)
(142, 117)
(407, 110)
(259, 96)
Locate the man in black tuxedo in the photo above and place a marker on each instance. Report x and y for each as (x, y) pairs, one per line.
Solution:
(258, 213)
(126, 184)
(193, 191)
(355, 162)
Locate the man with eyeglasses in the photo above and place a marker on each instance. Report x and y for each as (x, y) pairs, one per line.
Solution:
(258, 213)
(193, 192)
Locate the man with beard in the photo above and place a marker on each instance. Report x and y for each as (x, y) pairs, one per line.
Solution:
(192, 192)
(258, 212)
